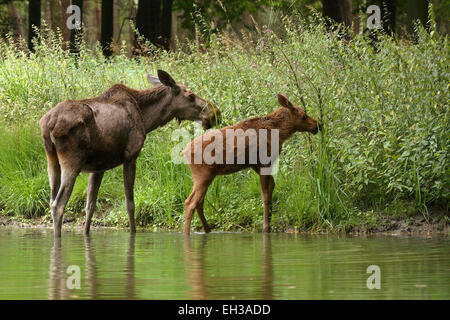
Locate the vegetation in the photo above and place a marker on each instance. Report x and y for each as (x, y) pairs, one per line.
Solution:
(384, 107)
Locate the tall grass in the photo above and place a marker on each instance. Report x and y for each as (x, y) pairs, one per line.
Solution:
(384, 110)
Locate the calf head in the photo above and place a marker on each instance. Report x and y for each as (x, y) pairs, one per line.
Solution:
(186, 104)
(300, 120)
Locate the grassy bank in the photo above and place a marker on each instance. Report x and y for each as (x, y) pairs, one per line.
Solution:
(384, 148)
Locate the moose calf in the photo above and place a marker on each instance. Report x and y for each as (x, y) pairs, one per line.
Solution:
(253, 143)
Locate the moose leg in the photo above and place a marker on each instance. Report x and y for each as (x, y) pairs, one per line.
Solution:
(68, 176)
(192, 202)
(267, 186)
(95, 179)
(129, 172)
(54, 174)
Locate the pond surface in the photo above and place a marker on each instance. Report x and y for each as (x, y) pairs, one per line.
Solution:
(115, 265)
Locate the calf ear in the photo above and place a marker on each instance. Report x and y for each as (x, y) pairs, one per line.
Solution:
(284, 101)
(166, 79)
(154, 80)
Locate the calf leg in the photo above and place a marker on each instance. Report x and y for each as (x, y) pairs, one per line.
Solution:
(267, 186)
(68, 177)
(188, 212)
(129, 172)
(95, 179)
(192, 202)
(202, 216)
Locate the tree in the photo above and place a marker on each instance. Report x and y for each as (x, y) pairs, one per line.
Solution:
(166, 23)
(16, 21)
(107, 26)
(388, 15)
(154, 21)
(77, 32)
(64, 16)
(34, 21)
(339, 11)
(53, 17)
(225, 11)
(116, 19)
(417, 10)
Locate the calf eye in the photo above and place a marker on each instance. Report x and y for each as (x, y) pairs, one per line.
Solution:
(192, 97)
(305, 116)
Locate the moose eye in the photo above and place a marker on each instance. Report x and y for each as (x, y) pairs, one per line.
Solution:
(305, 116)
(192, 97)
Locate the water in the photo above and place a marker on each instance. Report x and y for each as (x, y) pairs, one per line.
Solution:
(115, 265)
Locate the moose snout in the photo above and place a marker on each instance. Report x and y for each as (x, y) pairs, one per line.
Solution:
(208, 123)
(318, 128)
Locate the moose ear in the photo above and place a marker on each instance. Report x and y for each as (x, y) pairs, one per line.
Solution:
(154, 80)
(166, 79)
(284, 101)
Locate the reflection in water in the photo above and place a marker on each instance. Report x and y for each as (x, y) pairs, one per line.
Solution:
(117, 265)
(130, 281)
(57, 288)
(267, 282)
(202, 286)
(91, 268)
(195, 268)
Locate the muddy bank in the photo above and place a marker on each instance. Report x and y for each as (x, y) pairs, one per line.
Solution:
(412, 225)
(438, 223)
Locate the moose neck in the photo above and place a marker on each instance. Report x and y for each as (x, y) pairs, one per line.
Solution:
(280, 119)
(156, 106)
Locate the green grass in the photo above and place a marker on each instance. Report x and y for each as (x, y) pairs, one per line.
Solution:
(384, 147)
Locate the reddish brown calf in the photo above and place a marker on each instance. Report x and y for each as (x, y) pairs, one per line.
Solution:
(283, 121)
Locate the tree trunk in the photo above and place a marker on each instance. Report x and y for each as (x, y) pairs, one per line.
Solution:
(388, 10)
(64, 16)
(34, 19)
(107, 26)
(89, 26)
(55, 14)
(116, 19)
(98, 17)
(417, 10)
(16, 21)
(154, 21)
(148, 19)
(48, 14)
(388, 15)
(76, 34)
(339, 11)
(132, 38)
(166, 23)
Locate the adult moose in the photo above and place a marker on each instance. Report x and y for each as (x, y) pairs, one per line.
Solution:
(255, 134)
(98, 134)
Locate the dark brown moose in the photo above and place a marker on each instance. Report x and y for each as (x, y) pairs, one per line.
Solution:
(97, 134)
(285, 120)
